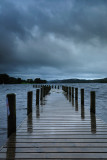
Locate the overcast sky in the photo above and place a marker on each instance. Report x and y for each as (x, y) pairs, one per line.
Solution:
(53, 39)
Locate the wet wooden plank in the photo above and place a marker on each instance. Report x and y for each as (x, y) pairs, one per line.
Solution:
(71, 144)
(61, 133)
(32, 140)
(28, 135)
(57, 150)
(54, 155)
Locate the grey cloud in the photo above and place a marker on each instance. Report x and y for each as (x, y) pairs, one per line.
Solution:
(68, 34)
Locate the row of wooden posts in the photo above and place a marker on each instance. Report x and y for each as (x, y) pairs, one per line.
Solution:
(73, 92)
(11, 106)
(92, 96)
(40, 93)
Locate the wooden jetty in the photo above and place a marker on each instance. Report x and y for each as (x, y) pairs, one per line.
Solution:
(56, 129)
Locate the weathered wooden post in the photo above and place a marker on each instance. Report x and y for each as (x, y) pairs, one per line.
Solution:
(76, 99)
(82, 104)
(29, 102)
(72, 92)
(11, 113)
(92, 102)
(82, 97)
(37, 97)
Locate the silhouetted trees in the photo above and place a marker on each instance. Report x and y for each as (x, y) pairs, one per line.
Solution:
(6, 79)
(38, 80)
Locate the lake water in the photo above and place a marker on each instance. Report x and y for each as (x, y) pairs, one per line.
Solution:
(21, 102)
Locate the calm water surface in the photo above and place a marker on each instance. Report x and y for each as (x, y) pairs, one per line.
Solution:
(21, 102)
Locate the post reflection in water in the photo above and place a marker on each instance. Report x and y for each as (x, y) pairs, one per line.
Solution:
(93, 122)
(76, 104)
(82, 111)
(41, 106)
(29, 123)
(72, 101)
(11, 149)
(66, 95)
(69, 98)
(37, 111)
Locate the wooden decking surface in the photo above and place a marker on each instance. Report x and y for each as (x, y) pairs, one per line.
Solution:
(58, 130)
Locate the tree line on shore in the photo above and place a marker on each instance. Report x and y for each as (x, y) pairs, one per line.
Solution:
(6, 79)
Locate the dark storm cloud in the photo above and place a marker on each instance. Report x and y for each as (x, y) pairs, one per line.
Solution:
(65, 36)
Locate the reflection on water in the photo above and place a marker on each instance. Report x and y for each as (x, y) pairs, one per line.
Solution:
(76, 104)
(37, 111)
(11, 149)
(66, 95)
(29, 123)
(72, 101)
(69, 98)
(82, 112)
(93, 122)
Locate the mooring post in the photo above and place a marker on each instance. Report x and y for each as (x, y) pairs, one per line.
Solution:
(82, 104)
(11, 113)
(92, 102)
(82, 97)
(29, 102)
(37, 97)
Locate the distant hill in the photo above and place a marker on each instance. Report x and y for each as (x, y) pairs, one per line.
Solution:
(80, 81)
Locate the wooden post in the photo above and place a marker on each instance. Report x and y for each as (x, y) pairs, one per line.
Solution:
(82, 97)
(11, 113)
(72, 92)
(29, 102)
(82, 104)
(76, 93)
(58, 87)
(37, 97)
(92, 101)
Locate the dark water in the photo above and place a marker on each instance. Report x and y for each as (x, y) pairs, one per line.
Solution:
(21, 102)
